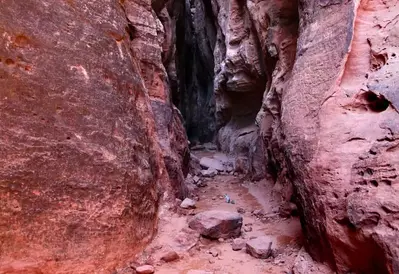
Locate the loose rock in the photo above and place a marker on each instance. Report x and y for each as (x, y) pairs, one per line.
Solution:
(211, 172)
(145, 269)
(260, 247)
(213, 252)
(187, 203)
(170, 257)
(238, 244)
(217, 224)
(208, 163)
(196, 179)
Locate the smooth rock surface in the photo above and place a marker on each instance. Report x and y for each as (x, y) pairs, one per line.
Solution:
(187, 203)
(145, 269)
(260, 247)
(207, 163)
(217, 224)
(170, 256)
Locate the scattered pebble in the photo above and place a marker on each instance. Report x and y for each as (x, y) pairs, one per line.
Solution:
(196, 179)
(213, 252)
(238, 244)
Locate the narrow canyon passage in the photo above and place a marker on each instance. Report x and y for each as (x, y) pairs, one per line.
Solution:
(199, 136)
(262, 218)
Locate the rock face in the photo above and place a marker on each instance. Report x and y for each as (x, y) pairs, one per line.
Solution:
(331, 129)
(217, 224)
(81, 167)
(221, 78)
(327, 73)
(152, 34)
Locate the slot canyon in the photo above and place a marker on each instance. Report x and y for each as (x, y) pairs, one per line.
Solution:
(199, 136)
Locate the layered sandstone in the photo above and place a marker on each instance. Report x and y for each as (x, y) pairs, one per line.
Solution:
(83, 99)
(335, 138)
(327, 74)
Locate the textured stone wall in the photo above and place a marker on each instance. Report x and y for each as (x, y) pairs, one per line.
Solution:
(90, 142)
(335, 135)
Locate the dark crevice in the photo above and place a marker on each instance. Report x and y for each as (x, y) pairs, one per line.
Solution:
(195, 41)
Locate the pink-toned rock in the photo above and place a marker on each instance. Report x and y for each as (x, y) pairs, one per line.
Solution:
(187, 203)
(260, 247)
(238, 244)
(81, 166)
(217, 224)
(330, 129)
(145, 269)
(170, 256)
(210, 163)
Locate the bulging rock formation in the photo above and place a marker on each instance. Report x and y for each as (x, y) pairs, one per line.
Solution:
(90, 142)
(335, 135)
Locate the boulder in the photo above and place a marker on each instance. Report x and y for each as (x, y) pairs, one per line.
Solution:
(217, 224)
(260, 247)
(187, 203)
(207, 163)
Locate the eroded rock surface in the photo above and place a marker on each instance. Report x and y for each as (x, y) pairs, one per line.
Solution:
(327, 71)
(335, 137)
(81, 166)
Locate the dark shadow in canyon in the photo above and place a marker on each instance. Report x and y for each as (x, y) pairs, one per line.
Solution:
(193, 95)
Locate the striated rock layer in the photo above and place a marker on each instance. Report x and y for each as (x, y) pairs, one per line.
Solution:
(82, 169)
(335, 136)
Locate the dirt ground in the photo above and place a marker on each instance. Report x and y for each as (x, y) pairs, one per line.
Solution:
(194, 251)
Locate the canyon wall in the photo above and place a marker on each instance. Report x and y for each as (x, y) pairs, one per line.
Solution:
(90, 142)
(335, 136)
(327, 73)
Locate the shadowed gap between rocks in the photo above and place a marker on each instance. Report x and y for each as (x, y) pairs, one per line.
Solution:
(193, 95)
